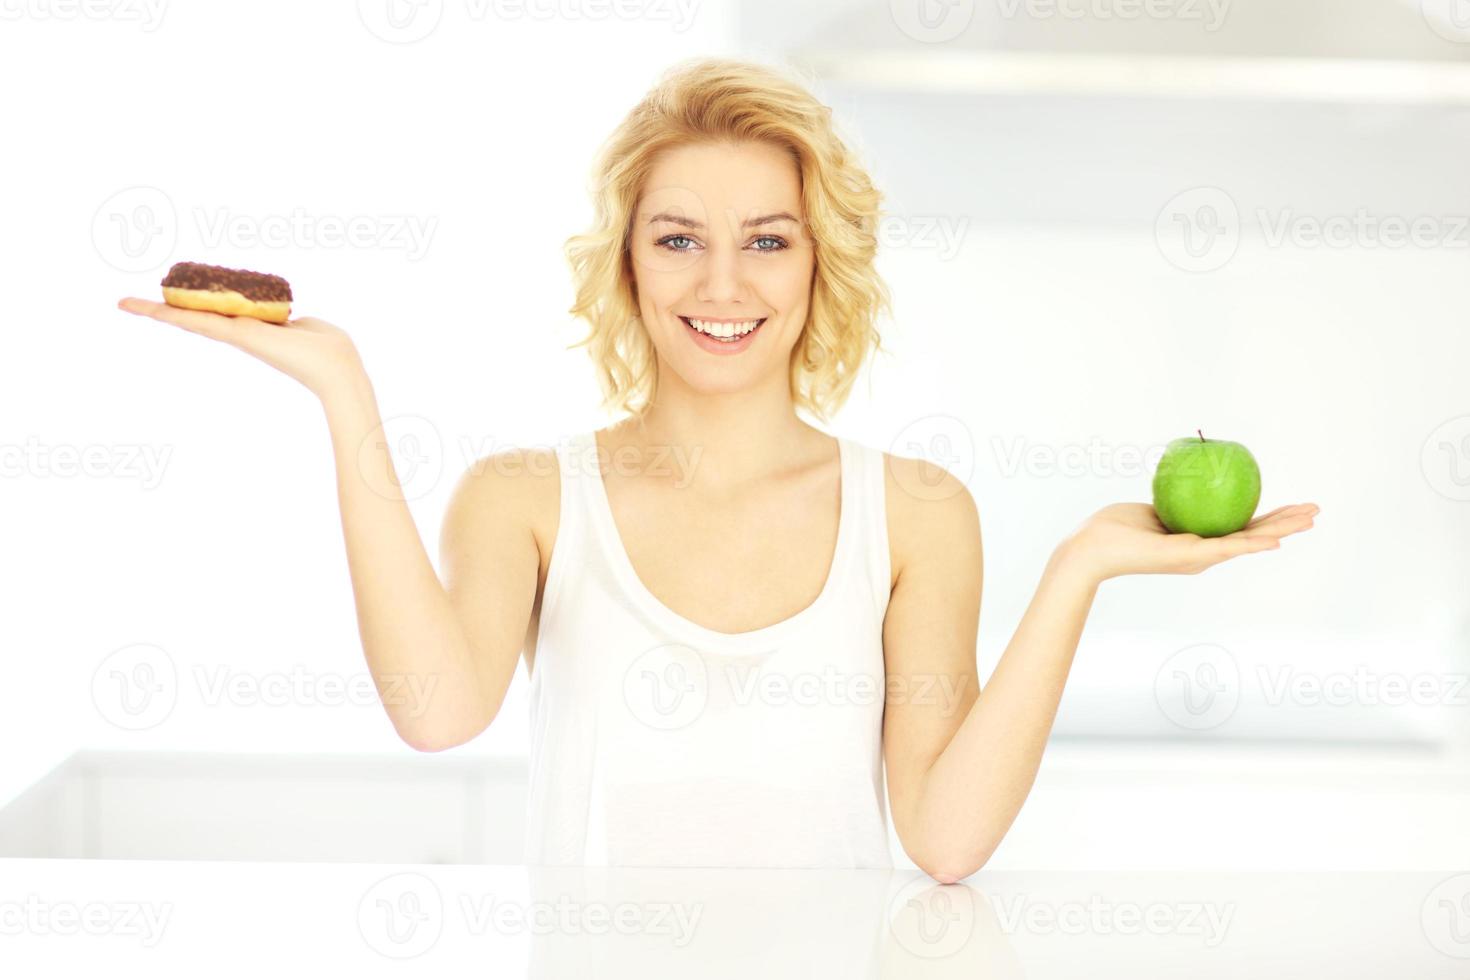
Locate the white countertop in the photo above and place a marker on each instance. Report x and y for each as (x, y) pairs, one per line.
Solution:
(180, 918)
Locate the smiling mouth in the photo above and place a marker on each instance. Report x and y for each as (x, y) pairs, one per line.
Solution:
(727, 333)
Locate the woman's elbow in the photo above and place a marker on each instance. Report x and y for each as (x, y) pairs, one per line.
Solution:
(948, 866)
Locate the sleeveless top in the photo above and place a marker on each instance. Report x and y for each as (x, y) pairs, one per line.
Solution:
(656, 741)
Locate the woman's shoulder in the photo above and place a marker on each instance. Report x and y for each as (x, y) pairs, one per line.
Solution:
(929, 509)
(518, 486)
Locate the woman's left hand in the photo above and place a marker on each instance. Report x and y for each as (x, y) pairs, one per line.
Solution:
(1128, 539)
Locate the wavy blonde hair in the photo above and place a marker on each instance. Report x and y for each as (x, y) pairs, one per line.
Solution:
(714, 100)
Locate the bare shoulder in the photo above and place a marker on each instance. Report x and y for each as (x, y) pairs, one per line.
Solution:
(516, 489)
(932, 516)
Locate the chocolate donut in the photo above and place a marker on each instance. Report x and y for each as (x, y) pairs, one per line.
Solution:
(233, 292)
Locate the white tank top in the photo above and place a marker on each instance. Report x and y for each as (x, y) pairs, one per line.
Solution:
(659, 742)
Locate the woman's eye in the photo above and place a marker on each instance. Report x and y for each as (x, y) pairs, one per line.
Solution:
(667, 242)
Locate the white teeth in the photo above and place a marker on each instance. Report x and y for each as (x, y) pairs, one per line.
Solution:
(723, 330)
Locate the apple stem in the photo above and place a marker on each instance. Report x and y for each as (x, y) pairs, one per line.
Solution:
(1201, 435)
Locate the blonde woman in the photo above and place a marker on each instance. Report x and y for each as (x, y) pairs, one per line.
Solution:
(735, 624)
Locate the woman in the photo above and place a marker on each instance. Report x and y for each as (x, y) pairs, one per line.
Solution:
(734, 623)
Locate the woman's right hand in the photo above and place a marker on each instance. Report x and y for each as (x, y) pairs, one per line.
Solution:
(316, 353)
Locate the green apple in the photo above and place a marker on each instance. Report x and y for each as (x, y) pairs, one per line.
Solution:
(1205, 486)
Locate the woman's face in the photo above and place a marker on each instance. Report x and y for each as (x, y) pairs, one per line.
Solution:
(717, 236)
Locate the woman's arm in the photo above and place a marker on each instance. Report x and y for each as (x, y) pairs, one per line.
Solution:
(960, 764)
(960, 802)
(441, 657)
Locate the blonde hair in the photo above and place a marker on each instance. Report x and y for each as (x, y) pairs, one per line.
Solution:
(712, 100)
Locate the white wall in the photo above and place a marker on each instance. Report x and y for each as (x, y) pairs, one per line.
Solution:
(1055, 318)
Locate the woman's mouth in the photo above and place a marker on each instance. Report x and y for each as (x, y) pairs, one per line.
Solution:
(723, 332)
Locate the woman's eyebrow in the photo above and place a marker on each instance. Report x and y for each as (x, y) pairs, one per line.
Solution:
(677, 219)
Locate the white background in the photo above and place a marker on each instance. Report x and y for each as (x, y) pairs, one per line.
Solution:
(1055, 317)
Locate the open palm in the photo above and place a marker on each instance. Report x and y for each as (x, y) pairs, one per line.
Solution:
(316, 353)
(1128, 539)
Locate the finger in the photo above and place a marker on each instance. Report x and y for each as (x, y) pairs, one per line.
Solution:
(242, 331)
(1289, 509)
(1280, 527)
(1293, 516)
(1268, 515)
